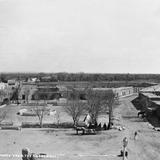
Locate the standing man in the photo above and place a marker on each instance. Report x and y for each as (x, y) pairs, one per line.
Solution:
(135, 135)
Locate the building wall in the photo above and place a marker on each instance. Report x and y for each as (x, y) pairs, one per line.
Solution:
(123, 91)
(26, 92)
(33, 87)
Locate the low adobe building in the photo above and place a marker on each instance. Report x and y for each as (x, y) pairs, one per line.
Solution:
(149, 99)
(119, 92)
(29, 92)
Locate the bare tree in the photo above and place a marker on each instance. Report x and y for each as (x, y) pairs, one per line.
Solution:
(109, 102)
(94, 103)
(100, 101)
(2, 115)
(27, 92)
(40, 110)
(15, 94)
(74, 106)
(3, 94)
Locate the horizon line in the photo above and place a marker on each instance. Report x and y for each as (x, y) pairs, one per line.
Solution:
(34, 72)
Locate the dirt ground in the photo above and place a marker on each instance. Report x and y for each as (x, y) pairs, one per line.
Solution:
(65, 145)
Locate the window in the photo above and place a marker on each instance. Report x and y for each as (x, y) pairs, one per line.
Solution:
(23, 96)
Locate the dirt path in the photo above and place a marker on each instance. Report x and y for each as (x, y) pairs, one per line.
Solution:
(146, 147)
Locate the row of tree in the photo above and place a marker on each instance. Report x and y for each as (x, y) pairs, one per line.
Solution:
(96, 103)
(64, 76)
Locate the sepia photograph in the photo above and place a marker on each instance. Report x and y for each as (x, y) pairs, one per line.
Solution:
(79, 80)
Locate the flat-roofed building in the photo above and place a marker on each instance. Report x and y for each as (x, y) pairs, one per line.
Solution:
(149, 98)
(153, 89)
(119, 92)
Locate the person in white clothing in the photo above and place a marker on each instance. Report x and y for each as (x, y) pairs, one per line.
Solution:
(87, 120)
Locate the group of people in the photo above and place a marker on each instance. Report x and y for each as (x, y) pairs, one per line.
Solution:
(89, 124)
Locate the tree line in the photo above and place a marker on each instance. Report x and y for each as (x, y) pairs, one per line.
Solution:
(64, 76)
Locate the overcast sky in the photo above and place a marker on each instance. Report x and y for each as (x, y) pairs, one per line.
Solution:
(119, 36)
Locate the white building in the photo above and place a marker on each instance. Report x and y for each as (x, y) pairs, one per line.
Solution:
(123, 91)
(119, 92)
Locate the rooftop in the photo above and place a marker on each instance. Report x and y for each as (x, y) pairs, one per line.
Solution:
(151, 95)
(155, 88)
(120, 88)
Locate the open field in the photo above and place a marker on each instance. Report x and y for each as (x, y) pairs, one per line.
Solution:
(59, 141)
(67, 145)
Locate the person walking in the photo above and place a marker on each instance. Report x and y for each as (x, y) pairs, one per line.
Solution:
(135, 135)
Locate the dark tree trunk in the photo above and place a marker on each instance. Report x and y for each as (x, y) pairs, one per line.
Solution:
(110, 117)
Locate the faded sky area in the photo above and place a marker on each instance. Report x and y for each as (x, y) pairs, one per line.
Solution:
(119, 36)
